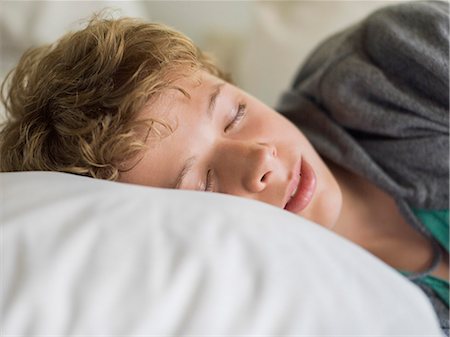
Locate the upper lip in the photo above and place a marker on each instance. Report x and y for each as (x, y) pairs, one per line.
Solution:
(293, 183)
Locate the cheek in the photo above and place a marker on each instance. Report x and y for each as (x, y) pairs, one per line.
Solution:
(273, 124)
(327, 201)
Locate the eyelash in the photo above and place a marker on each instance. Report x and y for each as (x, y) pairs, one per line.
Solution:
(242, 109)
(208, 187)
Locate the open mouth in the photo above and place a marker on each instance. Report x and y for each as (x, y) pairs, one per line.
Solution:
(303, 189)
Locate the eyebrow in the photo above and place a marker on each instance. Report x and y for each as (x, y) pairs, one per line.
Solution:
(191, 160)
(213, 99)
(186, 168)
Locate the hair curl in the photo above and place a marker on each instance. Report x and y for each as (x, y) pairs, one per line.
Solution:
(71, 105)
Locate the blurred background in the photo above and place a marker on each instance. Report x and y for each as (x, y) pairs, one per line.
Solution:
(261, 43)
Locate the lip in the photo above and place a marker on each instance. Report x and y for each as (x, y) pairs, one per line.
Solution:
(306, 187)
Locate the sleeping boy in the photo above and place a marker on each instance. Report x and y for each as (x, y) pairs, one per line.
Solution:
(358, 144)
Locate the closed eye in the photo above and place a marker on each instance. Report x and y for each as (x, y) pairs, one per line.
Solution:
(240, 112)
(208, 185)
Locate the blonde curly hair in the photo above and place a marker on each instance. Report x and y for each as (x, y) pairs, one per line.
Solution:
(71, 105)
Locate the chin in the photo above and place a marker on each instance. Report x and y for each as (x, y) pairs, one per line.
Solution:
(324, 208)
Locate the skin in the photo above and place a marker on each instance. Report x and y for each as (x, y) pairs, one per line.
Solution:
(255, 158)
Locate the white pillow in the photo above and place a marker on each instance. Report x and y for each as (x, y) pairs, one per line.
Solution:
(90, 257)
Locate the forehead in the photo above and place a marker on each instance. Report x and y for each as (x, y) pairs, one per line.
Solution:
(185, 89)
(182, 107)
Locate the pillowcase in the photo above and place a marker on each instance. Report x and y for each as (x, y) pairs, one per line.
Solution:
(90, 257)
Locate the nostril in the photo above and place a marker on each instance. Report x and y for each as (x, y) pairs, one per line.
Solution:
(265, 177)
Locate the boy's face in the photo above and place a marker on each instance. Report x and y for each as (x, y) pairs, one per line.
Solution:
(227, 141)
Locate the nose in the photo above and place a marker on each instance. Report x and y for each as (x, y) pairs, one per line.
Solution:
(246, 166)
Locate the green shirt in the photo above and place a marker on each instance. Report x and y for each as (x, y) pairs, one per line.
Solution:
(437, 223)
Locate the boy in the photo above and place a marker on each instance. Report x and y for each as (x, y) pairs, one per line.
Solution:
(139, 103)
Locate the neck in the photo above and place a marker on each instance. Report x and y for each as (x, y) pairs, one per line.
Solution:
(370, 218)
(366, 211)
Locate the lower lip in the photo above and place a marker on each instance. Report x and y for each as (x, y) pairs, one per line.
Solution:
(305, 189)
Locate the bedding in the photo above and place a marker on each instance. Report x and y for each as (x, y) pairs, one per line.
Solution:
(90, 257)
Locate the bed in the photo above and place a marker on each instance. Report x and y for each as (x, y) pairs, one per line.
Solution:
(84, 257)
